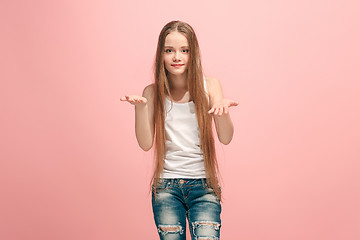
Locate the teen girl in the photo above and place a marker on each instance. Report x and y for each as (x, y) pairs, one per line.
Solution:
(178, 110)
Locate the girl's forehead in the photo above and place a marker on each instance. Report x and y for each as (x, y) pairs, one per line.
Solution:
(176, 39)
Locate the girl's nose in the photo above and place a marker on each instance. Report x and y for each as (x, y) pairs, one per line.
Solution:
(176, 56)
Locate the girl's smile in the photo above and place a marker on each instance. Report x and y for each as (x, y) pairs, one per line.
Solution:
(177, 65)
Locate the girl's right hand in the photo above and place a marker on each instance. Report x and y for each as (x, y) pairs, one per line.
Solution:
(134, 99)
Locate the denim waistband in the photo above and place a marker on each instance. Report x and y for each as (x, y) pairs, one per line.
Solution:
(183, 181)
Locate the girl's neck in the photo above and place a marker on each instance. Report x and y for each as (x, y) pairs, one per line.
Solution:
(178, 82)
(179, 88)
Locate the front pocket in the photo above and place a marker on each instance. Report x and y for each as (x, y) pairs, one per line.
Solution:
(162, 185)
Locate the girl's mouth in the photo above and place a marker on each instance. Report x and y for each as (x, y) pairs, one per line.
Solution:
(177, 65)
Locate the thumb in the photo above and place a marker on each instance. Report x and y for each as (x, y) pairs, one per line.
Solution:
(233, 104)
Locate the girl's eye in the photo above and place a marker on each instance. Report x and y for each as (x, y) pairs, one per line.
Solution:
(169, 50)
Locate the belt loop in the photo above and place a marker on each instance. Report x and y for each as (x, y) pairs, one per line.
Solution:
(203, 182)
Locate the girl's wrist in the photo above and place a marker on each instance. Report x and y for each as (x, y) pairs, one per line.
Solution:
(222, 116)
(140, 106)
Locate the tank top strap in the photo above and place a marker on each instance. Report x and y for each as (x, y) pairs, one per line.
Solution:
(205, 88)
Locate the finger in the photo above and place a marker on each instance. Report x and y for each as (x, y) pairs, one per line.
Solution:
(216, 111)
(125, 98)
(142, 100)
(226, 110)
(211, 110)
(233, 104)
(221, 110)
(139, 100)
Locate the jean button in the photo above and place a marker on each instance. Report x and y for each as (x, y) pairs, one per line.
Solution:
(181, 181)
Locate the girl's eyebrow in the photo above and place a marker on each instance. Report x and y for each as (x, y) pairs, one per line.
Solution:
(173, 47)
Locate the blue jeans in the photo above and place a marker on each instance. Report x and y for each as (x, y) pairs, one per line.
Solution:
(178, 199)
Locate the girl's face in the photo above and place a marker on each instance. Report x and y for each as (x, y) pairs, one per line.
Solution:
(176, 53)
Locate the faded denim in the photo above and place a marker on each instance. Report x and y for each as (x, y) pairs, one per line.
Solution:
(178, 199)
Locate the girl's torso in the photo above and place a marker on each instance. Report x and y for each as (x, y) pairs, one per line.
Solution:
(183, 157)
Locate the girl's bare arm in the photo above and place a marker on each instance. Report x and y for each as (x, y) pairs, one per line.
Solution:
(220, 110)
(144, 117)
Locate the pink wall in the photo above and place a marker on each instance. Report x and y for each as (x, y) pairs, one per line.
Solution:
(70, 167)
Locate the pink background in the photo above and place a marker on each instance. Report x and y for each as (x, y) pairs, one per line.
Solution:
(70, 166)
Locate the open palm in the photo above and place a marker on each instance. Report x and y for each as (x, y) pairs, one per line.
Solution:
(134, 99)
(222, 106)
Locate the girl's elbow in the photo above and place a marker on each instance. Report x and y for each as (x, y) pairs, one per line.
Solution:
(146, 147)
(226, 139)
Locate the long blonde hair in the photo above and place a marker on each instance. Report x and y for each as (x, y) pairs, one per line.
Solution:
(197, 93)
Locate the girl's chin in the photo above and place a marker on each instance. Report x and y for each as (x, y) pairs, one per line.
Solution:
(177, 73)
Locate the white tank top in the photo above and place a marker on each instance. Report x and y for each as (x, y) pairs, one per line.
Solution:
(183, 157)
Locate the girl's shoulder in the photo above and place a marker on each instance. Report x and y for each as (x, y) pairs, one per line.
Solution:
(149, 91)
(211, 83)
(210, 78)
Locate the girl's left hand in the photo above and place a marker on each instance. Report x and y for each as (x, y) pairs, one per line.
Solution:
(222, 106)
